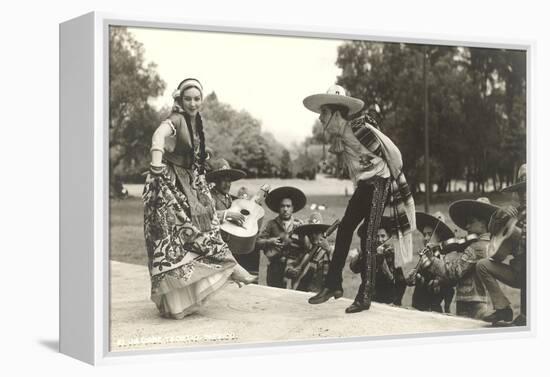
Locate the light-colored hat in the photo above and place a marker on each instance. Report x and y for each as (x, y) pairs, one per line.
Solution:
(521, 181)
(220, 169)
(480, 208)
(335, 95)
(314, 225)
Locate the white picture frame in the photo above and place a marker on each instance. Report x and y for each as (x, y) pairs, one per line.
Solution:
(84, 231)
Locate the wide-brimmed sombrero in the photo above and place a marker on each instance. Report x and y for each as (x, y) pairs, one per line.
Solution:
(436, 222)
(314, 225)
(335, 95)
(385, 223)
(480, 208)
(220, 169)
(273, 199)
(521, 183)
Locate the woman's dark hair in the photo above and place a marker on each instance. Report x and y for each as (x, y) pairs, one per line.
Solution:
(200, 129)
(202, 144)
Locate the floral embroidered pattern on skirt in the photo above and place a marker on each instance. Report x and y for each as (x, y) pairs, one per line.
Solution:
(185, 264)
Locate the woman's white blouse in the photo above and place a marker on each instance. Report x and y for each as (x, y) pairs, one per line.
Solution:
(164, 137)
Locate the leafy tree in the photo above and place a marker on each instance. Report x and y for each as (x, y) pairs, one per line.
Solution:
(286, 164)
(476, 106)
(237, 137)
(252, 151)
(132, 120)
(234, 135)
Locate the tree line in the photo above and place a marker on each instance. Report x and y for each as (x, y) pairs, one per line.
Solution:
(476, 107)
(477, 104)
(234, 135)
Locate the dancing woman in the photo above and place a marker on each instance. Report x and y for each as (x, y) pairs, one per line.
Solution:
(188, 260)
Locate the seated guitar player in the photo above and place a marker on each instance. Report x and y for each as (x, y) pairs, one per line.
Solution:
(222, 175)
(492, 270)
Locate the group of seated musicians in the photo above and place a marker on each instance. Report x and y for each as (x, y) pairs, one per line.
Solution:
(298, 254)
(493, 251)
(285, 239)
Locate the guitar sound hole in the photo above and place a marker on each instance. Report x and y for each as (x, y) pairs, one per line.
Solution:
(245, 212)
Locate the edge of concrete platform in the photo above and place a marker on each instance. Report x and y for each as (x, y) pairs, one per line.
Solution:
(260, 316)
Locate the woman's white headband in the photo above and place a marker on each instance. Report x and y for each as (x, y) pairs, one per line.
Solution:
(185, 85)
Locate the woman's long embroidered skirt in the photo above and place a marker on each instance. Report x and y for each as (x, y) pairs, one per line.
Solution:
(186, 265)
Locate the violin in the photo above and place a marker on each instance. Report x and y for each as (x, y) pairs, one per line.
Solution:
(452, 244)
(458, 244)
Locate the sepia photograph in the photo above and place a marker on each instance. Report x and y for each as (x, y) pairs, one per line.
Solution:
(269, 189)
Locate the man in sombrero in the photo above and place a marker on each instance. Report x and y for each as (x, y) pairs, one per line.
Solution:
(514, 273)
(472, 216)
(312, 234)
(222, 176)
(386, 281)
(375, 166)
(430, 290)
(277, 239)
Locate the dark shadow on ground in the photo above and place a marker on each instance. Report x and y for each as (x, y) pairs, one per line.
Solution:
(52, 345)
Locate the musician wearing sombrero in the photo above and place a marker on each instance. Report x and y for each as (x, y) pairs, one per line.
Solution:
(472, 216)
(375, 166)
(316, 258)
(222, 175)
(514, 273)
(385, 280)
(429, 290)
(277, 239)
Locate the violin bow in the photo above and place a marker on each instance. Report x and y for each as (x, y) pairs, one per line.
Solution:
(433, 232)
(383, 243)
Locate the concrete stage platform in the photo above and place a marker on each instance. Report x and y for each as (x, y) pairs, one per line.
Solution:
(253, 314)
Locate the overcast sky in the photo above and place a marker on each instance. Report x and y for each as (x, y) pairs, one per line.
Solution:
(266, 75)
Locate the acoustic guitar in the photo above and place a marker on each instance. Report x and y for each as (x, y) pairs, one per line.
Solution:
(242, 239)
(505, 241)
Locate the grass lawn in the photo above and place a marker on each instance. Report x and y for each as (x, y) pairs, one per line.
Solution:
(127, 242)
